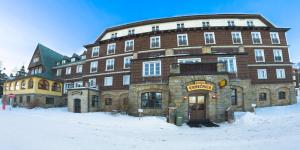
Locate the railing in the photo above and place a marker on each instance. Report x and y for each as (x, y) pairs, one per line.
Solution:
(197, 68)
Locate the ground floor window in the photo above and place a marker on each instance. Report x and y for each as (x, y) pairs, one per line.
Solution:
(281, 95)
(95, 101)
(28, 99)
(49, 100)
(21, 99)
(151, 100)
(125, 101)
(262, 96)
(233, 96)
(108, 101)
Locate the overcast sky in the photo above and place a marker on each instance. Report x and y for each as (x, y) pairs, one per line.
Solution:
(67, 25)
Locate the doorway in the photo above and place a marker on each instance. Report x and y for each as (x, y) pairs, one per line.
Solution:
(197, 107)
(77, 105)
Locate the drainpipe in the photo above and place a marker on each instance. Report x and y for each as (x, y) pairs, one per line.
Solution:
(88, 99)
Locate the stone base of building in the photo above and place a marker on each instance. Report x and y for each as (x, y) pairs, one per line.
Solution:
(81, 100)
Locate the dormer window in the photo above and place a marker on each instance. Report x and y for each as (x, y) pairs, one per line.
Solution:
(205, 24)
(131, 32)
(155, 28)
(230, 23)
(63, 61)
(36, 59)
(73, 59)
(58, 63)
(180, 25)
(250, 23)
(114, 35)
(83, 57)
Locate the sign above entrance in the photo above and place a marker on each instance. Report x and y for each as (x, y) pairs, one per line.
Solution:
(199, 85)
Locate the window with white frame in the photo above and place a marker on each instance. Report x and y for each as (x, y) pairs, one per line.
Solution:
(111, 48)
(108, 81)
(126, 79)
(189, 60)
(280, 73)
(229, 62)
(114, 35)
(79, 69)
(83, 57)
(155, 28)
(277, 55)
(131, 31)
(127, 62)
(93, 66)
(110, 64)
(36, 59)
(262, 74)
(274, 38)
(68, 86)
(73, 59)
(78, 84)
(155, 42)
(92, 82)
(95, 51)
(36, 70)
(182, 40)
(151, 68)
(259, 55)
(236, 38)
(68, 70)
(250, 23)
(205, 24)
(63, 61)
(129, 45)
(256, 38)
(40, 69)
(230, 23)
(58, 72)
(209, 38)
(180, 25)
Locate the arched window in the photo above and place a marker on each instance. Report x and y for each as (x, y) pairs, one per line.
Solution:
(56, 87)
(281, 95)
(30, 84)
(11, 87)
(23, 84)
(17, 85)
(43, 84)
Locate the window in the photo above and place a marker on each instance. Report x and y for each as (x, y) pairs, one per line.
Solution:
(83, 57)
(17, 85)
(129, 45)
(58, 72)
(209, 38)
(49, 100)
(151, 68)
(36, 70)
(155, 42)
(79, 69)
(130, 31)
(68, 86)
(125, 101)
(280, 73)
(93, 66)
(68, 70)
(250, 23)
(95, 101)
(114, 35)
(56, 87)
(36, 59)
(95, 51)
(43, 84)
(127, 62)
(73, 59)
(126, 79)
(32, 72)
(230, 23)
(108, 81)
(262, 73)
(21, 99)
(256, 38)
(63, 61)
(229, 62)
(151, 100)
(108, 101)
(274, 38)
(30, 84)
(180, 25)
(205, 24)
(182, 40)
(40, 69)
(78, 84)
(58, 63)
(259, 55)
(233, 96)
(155, 28)
(236, 38)
(111, 48)
(27, 99)
(281, 95)
(23, 84)
(277, 55)
(110, 63)
(189, 60)
(262, 97)
(92, 82)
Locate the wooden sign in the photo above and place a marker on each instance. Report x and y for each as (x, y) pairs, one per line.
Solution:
(199, 85)
(222, 83)
(76, 93)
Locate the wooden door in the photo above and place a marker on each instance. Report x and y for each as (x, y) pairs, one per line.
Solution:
(197, 107)
(77, 105)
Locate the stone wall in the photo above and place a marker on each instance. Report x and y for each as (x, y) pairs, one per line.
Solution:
(85, 96)
(118, 97)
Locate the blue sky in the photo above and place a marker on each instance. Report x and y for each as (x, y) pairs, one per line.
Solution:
(67, 25)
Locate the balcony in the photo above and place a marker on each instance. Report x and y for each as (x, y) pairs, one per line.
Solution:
(197, 69)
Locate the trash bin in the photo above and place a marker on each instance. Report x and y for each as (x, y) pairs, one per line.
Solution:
(179, 120)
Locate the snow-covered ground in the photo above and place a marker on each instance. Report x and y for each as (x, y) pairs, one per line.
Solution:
(57, 129)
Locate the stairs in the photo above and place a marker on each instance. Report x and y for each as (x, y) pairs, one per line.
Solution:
(200, 123)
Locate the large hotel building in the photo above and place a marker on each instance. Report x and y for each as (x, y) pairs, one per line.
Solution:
(200, 65)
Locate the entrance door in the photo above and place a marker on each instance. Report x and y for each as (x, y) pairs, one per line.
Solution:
(77, 105)
(197, 108)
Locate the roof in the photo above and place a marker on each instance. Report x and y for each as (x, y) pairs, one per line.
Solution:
(191, 17)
